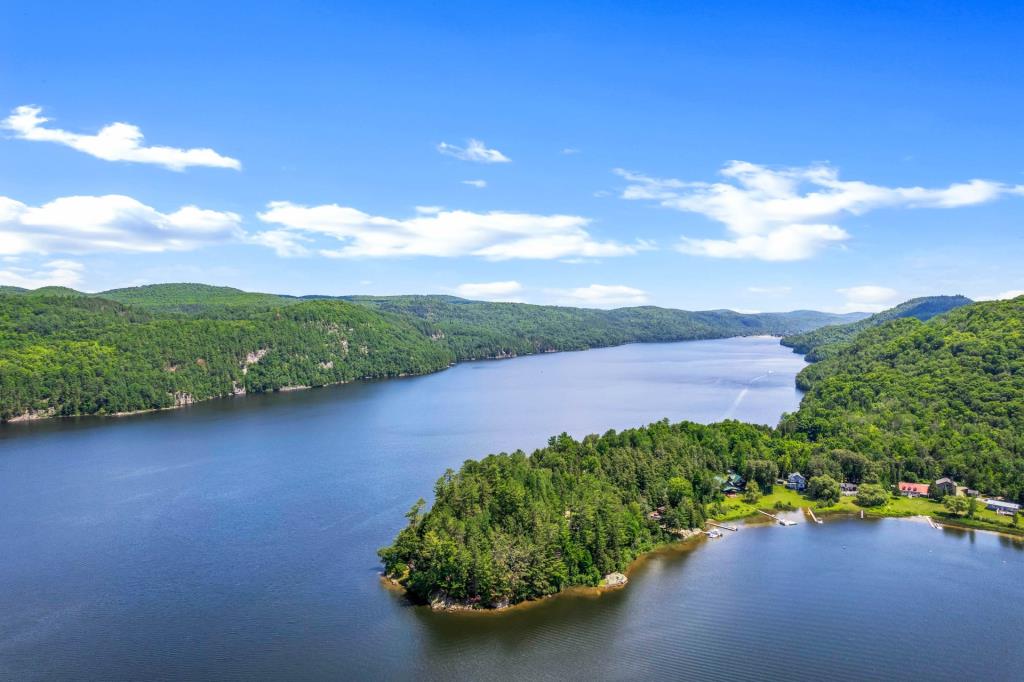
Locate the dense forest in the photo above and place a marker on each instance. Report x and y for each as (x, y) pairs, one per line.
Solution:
(63, 352)
(67, 355)
(824, 341)
(905, 399)
(477, 329)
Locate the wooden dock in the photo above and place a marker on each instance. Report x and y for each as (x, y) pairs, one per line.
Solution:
(813, 517)
(718, 525)
(781, 522)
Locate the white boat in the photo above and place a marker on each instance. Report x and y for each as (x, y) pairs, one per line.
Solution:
(714, 533)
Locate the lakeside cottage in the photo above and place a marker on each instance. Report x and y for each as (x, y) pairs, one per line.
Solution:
(913, 489)
(731, 484)
(1002, 507)
(945, 486)
(796, 481)
(848, 488)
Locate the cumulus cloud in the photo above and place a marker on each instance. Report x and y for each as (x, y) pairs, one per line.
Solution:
(115, 142)
(54, 273)
(782, 214)
(495, 235)
(1004, 296)
(479, 184)
(489, 291)
(868, 298)
(600, 296)
(475, 151)
(113, 222)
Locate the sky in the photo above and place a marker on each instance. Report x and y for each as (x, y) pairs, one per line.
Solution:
(745, 155)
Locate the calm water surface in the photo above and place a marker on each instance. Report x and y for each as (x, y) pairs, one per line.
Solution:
(236, 540)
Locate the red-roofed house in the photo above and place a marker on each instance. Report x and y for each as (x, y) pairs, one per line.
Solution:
(914, 489)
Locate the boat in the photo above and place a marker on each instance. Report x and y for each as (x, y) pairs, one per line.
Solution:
(714, 533)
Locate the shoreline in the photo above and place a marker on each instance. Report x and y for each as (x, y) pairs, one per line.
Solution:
(35, 416)
(681, 544)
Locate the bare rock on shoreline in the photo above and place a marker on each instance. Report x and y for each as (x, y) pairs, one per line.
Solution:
(615, 580)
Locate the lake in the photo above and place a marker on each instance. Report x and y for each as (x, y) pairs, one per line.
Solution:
(237, 539)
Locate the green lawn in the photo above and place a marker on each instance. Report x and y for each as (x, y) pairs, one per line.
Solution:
(736, 508)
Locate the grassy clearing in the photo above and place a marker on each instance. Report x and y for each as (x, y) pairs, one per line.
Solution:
(736, 508)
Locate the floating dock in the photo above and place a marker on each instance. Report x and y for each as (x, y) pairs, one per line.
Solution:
(813, 517)
(718, 525)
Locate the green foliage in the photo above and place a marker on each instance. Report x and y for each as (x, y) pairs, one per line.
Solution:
(958, 506)
(921, 400)
(823, 488)
(63, 352)
(512, 527)
(476, 329)
(871, 495)
(752, 493)
(904, 400)
(81, 355)
(826, 341)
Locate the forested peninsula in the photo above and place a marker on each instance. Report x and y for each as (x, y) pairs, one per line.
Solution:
(903, 399)
(64, 353)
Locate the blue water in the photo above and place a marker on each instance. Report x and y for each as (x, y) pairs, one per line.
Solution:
(237, 539)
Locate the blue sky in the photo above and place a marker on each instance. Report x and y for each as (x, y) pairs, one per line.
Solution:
(807, 155)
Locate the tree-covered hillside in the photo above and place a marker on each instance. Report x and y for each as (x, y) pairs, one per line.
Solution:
(84, 355)
(927, 399)
(477, 329)
(64, 352)
(824, 341)
(906, 400)
(195, 299)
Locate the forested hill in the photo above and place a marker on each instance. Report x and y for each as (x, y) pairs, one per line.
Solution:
(927, 399)
(477, 329)
(823, 341)
(64, 352)
(905, 400)
(67, 355)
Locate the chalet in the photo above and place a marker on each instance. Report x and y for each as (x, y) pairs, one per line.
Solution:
(731, 484)
(913, 489)
(944, 486)
(1001, 507)
(848, 488)
(796, 481)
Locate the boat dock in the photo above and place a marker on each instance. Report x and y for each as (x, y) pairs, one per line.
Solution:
(781, 522)
(718, 525)
(933, 524)
(813, 517)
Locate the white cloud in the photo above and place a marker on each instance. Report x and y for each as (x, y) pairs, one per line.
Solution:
(868, 298)
(778, 215)
(113, 222)
(495, 235)
(789, 243)
(475, 151)
(770, 290)
(569, 151)
(600, 296)
(60, 273)
(114, 142)
(479, 184)
(284, 243)
(489, 291)
(1006, 295)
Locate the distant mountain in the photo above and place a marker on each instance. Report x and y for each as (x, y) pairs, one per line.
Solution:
(823, 342)
(191, 299)
(478, 329)
(64, 352)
